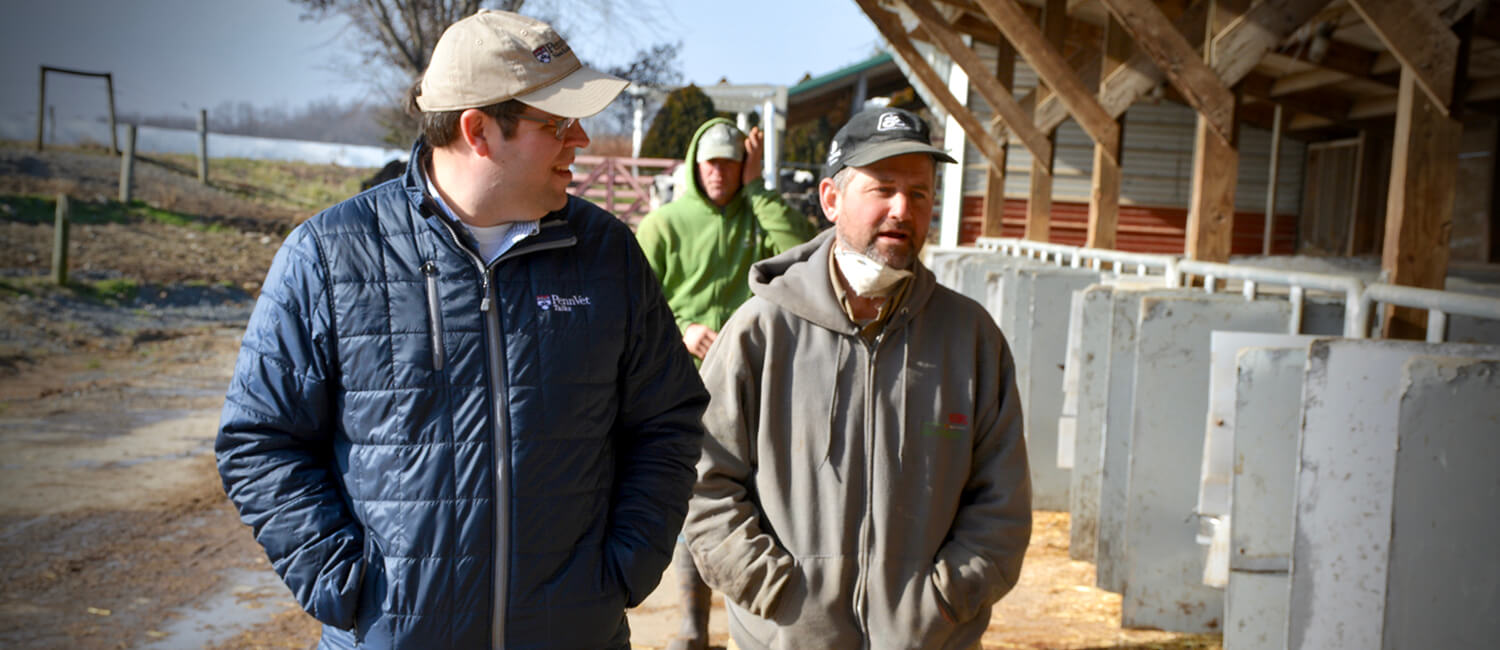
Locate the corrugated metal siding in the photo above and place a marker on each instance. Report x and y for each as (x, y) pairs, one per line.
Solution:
(1158, 158)
(1156, 183)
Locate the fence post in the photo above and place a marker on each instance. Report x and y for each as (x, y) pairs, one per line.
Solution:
(609, 185)
(109, 89)
(60, 242)
(203, 146)
(41, 106)
(127, 164)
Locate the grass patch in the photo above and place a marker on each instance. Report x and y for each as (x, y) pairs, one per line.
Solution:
(12, 287)
(297, 185)
(43, 210)
(109, 291)
(112, 290)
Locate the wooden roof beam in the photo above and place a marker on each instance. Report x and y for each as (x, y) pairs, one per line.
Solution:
(889, 26)
(1326, 104)
(1261, 28)
(1307, 122)
(1365, 109)
(1129, 82)
(983, 79)
(977, 27)
(1385, 105)
(1352, 60)
(1300, 81)
(1053, 70)
(1181, 62)
(1420, 38)
(1241, 44)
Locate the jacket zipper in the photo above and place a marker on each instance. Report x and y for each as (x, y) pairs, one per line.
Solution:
(500, 546)
(434, 315)
(861, 583)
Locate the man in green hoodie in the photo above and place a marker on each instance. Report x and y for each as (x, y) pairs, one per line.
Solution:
(701, 246)
(864, 483)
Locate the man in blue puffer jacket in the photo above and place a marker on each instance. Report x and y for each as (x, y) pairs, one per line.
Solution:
(462, 415)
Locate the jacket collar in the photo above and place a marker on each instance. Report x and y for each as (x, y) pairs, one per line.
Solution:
(799, 281)
(555, 230)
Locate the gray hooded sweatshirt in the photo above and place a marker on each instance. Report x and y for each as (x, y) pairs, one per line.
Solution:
(859, 493)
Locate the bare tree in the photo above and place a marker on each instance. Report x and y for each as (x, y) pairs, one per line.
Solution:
(398, 36)
(400, 33)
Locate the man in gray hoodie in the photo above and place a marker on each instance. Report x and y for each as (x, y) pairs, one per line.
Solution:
(865, 480)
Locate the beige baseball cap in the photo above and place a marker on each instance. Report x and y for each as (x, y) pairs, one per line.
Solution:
(721, 140)
(493, 56)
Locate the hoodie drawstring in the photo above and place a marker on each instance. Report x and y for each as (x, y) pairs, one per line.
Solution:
(905, 368)
(833, 400)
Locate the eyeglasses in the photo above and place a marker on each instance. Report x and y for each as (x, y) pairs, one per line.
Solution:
(561, 124)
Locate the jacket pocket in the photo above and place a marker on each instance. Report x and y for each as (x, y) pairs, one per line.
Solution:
(908, 608)
(372, 589)
(944, 607)
(816, 610)
(434, 315)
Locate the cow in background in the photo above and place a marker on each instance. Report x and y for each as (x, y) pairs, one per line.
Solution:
(392, 169)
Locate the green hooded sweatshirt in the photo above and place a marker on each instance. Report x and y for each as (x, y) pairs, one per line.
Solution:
(702, 253)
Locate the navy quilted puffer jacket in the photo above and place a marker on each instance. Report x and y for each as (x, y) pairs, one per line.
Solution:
(421, 443)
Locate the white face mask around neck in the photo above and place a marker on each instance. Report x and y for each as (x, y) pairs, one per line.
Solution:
(867, 278)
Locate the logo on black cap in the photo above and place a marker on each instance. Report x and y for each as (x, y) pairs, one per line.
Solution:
(894, 121)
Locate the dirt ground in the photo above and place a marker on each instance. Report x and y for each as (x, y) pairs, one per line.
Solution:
(114, 529)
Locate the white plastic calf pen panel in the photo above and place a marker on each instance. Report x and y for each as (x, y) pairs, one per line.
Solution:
(1250, 624)
(945, 262)
(1218, 441)
(1444, 585)
(1351, 398)
(1041, 335)
(1268, 396)
(1088, 444)
(1164, 564)
(1109, 556)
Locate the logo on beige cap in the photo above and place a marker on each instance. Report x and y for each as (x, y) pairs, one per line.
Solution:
(548, 51)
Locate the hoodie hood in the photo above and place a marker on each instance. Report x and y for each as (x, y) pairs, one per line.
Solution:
(694, 191)
(798, 281)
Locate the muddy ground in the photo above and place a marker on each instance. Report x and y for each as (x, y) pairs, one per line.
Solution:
(114, 530)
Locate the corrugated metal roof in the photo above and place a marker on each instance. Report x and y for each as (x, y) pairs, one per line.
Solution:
(842, 73)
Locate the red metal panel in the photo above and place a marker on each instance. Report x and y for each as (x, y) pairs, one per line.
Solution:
(1142, 229)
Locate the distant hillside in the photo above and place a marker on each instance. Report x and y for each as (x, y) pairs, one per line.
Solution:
(327, 120)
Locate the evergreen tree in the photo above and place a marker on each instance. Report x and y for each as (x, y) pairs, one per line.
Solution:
(808, 142)
(684, 110)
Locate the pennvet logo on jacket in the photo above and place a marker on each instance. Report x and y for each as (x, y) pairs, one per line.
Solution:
(554, 302)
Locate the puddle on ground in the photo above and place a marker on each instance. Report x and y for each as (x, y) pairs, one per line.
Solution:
(248, 598)
(203, 447)
(61, 427)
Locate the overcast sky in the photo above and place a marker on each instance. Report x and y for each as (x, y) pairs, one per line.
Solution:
(176, 56)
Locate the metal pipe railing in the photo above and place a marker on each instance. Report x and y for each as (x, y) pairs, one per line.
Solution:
(1298, 281)
(1439, 304)
(1358, 296)
(1074, 256)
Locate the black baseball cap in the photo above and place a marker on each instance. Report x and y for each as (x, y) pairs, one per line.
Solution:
(878, 133)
